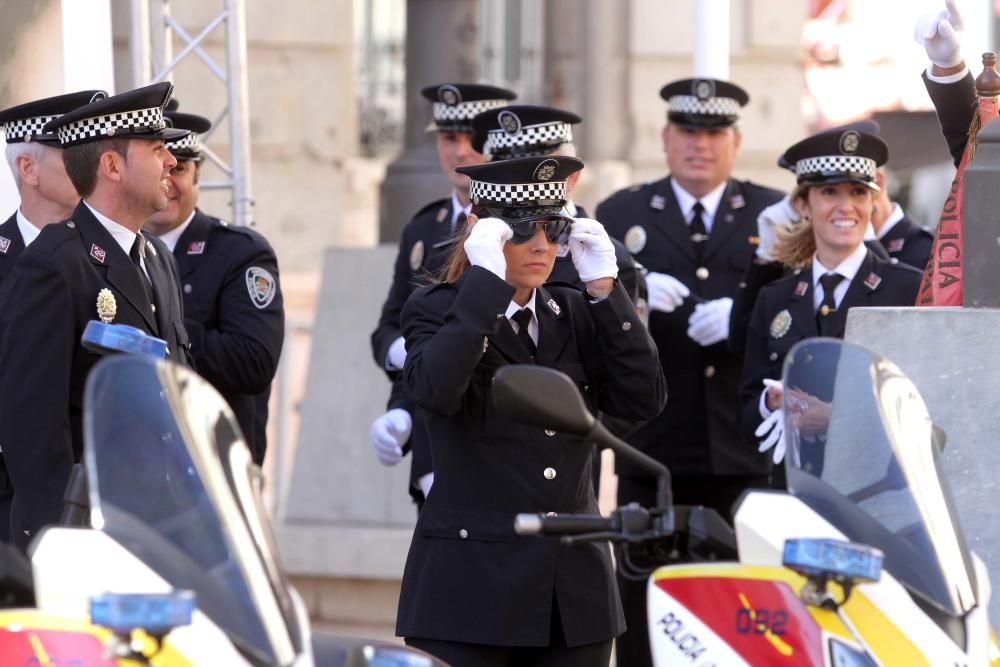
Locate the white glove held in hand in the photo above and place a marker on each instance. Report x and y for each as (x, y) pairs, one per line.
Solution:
(592, 251)
(396, 356)
(779, 213)
(665, 292)
(709, 323)
(388, 435)
(484, 246)
(937, 32)
(774, 428)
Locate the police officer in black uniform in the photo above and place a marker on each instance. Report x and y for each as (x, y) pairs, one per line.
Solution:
(233, 309)
(423, 247)
(47, 196)
(473, 593)
(836, 178)
(95, 265)
(904, 240)
(695, 232)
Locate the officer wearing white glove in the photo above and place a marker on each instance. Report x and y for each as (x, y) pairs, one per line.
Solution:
(779, 213)
(484, 245)
(388, 435)
(666, 293)
(709, 323)
(396, 356)
(938, 32)
(772, 429)
(592, 251)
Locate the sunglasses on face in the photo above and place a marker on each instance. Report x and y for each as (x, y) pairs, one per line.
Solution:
(556, 229)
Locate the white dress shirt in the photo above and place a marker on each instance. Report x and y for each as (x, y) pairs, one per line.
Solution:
(890, 222)
(28, 231)
(532, 325)
(847, 268)
(456, 208)
(123, 236)
(173, 236)
(709, 202)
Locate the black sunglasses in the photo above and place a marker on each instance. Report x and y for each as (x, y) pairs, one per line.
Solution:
(556, 229)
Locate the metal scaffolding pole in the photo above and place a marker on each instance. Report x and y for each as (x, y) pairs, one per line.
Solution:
(153, 31)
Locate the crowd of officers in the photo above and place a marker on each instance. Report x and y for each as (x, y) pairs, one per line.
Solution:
(724, 276)
(108, 228)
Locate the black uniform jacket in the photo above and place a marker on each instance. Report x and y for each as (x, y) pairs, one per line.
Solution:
(698, 432)
(785, 314)
(908, 243)
(423, 251)
(234, 314)
(468, 577)
(11, 245)
(46, 300)
(955, 104)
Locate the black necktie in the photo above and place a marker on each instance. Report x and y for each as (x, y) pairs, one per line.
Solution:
(136, 254)
(459, 223)
(827, 309)
(522, 318)
(699, 235)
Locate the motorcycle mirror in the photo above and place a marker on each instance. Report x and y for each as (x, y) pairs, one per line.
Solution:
(542, 397)
(939, 437)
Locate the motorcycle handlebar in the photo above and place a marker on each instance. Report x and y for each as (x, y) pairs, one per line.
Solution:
(572, 524)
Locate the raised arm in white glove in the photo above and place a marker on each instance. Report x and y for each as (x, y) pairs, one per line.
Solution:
(779, 213)
(396, 356)
(665, 292)
(484, 245)
(709, 323)
(591, 249)
(937, 32)
(388, 435)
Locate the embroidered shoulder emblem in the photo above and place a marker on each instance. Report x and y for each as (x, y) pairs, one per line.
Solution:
(196, 248)
(98, 253)
(4, 244)
(262, 286)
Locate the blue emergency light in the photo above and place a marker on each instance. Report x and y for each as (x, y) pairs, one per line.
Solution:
(833, 559)
(105, 338)
(155, 613)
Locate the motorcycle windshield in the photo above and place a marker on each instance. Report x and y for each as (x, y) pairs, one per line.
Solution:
(170, 480)
(861, 454)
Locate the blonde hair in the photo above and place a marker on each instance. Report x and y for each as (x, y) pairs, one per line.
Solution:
(458, 261)
(796, 244)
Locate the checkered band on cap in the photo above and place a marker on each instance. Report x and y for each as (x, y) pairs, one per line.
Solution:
(107, 125)
(19, 130)
(464, 110)
(543, 134)
(835, 164)
(187, 144)
(515, 193)
(713, 106)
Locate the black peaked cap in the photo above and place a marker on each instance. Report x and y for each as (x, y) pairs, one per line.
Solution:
(704, 102)
(25, 121)
(838, 156)
(509, 121)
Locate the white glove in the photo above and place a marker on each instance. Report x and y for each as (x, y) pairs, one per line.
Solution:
(396, 356)
(937, 32)
(592, 251)
(484, 246)
(779, 213)
(388, 435)
(709, 323)
(774, 428)
(665, 292)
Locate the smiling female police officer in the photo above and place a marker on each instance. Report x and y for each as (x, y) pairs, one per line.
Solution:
(836, 271)
(473, 593)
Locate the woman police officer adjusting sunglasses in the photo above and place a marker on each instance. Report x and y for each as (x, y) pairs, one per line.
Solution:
(472, 591)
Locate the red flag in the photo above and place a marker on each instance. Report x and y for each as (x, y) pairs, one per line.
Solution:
(942, 282)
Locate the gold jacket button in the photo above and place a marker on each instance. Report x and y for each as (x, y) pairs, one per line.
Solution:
(550, 473)
(626, 326)
(701, 273)
(463, 534)
(774, 356)
(709, 371)
(549, 432)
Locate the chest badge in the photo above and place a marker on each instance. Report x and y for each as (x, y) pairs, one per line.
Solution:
(107, 307)
(780, 325)
(873, 280)
(801, 288)
(416, 255)
(98, 253)
(635, 239)
(262, 286)
(4, 244)
(196, 248)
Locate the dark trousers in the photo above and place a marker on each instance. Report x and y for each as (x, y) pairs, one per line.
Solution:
(717, 492)
(556, 654)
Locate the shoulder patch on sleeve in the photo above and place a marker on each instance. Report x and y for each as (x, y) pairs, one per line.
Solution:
(262, 286)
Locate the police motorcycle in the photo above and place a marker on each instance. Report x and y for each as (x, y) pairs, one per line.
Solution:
(860, 563)
(176, 564)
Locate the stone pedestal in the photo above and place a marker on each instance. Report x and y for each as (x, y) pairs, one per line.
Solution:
(951, 356)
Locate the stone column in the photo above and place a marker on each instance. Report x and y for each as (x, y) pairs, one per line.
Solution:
(442, 44)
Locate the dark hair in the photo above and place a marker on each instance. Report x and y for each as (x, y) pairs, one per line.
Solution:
(81, 162)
